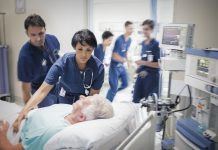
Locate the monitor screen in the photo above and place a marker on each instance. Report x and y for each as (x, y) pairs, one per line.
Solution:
(171, 35)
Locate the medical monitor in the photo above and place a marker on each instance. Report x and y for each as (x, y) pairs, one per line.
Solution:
(176, 36)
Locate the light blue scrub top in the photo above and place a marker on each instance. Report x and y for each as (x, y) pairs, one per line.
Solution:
(42, 124)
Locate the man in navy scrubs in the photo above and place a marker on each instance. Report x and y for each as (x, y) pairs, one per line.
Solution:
(78, 73)
(36, 58)
(99, 51)
(147, 81)
(119, 57)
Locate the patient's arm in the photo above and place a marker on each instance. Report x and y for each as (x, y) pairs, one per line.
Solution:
(37, 97)
(4, 142)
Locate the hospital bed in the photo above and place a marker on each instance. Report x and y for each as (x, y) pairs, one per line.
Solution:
(118, 132)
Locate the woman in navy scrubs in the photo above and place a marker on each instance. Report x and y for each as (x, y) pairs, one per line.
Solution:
(147, 81)
(77, 74)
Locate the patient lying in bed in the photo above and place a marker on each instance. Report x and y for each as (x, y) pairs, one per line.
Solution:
(41, 124)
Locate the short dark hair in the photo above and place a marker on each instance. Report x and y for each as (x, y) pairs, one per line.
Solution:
(149, 22)
(34, 20)
(83, 37)
(106, 35)
(128, 23)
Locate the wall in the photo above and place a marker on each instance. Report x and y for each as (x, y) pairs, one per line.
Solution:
(204, 14)
(117, 12)
(165, 9)
(63, 18)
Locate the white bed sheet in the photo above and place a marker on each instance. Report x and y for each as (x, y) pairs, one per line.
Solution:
(9, 112)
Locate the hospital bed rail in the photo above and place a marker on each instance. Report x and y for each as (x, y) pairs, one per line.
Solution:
(143, 137)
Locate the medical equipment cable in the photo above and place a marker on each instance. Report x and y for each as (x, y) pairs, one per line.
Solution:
(178, 97)
(177, 102)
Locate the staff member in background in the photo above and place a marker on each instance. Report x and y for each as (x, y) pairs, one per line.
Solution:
(119, 57)
(147, 81)
(99, 51)
(78, 73)
(36, 58)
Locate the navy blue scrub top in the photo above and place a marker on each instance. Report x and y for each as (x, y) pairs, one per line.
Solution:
(34, 63)
(153, 46)
(121, 47)
(71, 79)
(99, 52)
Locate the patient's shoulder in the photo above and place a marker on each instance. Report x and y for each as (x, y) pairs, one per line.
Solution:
(55, 109)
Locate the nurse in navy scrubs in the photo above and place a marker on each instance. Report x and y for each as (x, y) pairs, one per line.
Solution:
(78, 73)
(117, 71)
(99, 51)
(36, 58)
(147, 81)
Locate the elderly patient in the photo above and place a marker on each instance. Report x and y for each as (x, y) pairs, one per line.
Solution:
(41, 124)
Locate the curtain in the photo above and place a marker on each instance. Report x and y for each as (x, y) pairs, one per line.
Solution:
(4, 79)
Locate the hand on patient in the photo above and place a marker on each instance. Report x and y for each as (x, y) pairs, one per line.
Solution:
(17, 122)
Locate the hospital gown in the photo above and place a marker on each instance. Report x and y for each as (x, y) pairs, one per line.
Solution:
(42, 124)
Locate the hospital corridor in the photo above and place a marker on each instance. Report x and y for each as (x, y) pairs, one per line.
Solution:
(108, 75)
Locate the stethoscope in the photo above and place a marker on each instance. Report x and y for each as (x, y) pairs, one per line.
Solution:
(87, 83)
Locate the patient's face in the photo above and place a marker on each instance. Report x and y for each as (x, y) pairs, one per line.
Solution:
(81, 104)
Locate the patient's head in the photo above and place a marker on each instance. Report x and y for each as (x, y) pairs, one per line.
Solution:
(92, 107)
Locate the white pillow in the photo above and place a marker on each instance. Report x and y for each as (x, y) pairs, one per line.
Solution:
(92, 134)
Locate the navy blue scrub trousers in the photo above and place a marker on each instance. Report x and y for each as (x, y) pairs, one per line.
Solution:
(116, 72)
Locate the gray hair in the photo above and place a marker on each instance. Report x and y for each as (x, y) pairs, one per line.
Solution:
(100, 108)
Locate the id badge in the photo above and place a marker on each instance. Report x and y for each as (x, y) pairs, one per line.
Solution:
(44, 62)
(86, 92)
(144, 55)
(62, 92)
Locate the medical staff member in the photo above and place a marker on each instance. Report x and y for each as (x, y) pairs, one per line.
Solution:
(147, 81)
(36, 58)
(99, 51)
(119, 57)
(78, 73)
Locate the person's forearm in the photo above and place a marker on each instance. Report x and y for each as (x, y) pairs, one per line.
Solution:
(26, 91)
(119, 58)
(26, 96)
(37, 97)
(151, 64)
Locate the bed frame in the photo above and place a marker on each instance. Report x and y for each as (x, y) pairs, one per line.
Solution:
(142, 138)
